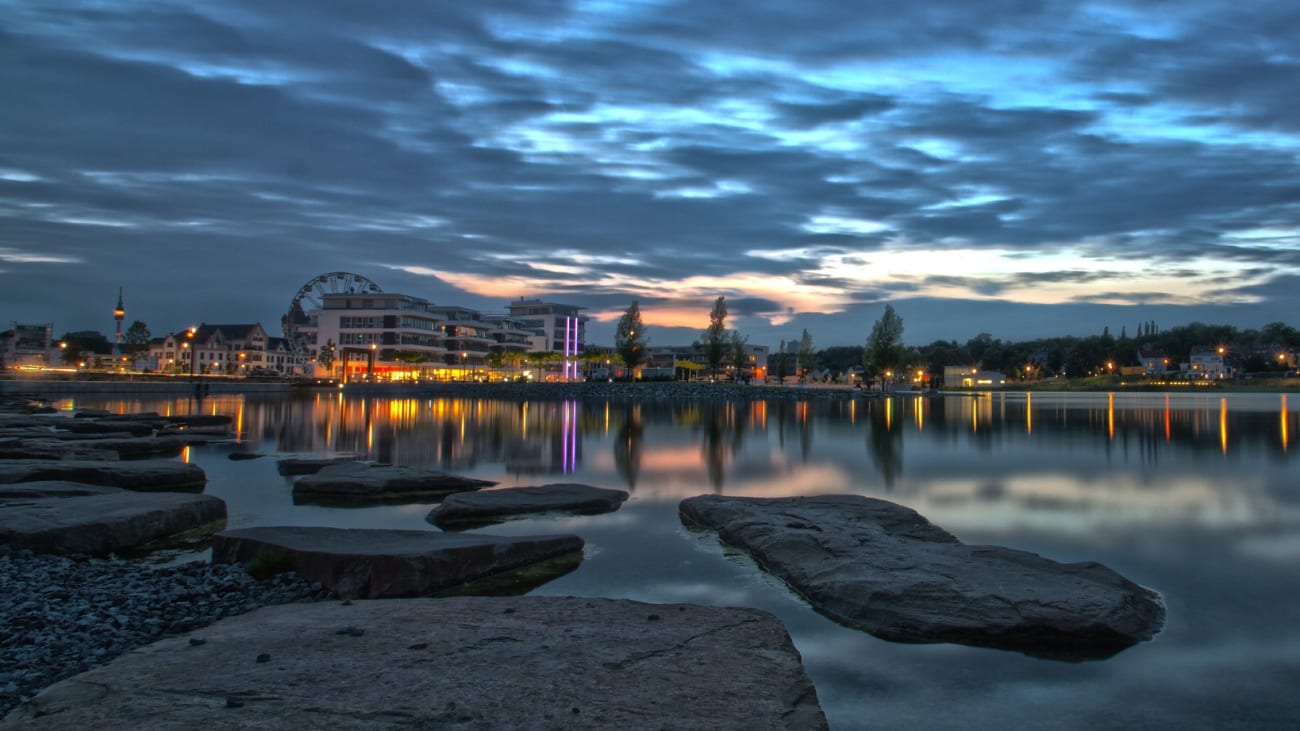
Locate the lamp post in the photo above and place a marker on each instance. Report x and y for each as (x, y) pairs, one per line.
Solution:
(463, 356)
(370, 367)
(194, 356)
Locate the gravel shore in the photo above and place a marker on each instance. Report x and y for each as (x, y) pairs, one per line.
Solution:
(60, 616)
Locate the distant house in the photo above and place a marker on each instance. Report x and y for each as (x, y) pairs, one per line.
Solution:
(211, 349)
(1208, 364)
(1154, 362)
(971, 377)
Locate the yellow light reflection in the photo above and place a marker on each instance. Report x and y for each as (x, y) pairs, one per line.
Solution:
(918, 403)
(1029, 413)
(239, 423)
(1284, 424)
(1223, 424)
(1110, 416)
(185, 454)
(1169, 420)
(889, 414)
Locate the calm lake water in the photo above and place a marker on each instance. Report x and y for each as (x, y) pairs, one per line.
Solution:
(1193, 495)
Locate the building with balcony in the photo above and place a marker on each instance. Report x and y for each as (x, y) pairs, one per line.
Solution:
(385, 336)
(556, 328)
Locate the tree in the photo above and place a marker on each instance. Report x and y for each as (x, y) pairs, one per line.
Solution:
(630, 339)
(326, 357)
(805, 356)
(738, 354)
(715, 338)
(137, 338)
(884, 345)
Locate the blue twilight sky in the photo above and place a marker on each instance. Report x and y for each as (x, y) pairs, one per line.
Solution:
(1020, 168)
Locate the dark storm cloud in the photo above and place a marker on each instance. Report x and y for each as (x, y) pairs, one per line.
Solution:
(753, 307)
(845, 110)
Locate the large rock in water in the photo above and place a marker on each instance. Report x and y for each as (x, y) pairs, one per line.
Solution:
(362, 483)
(489, 506)
(884, 568)
(64, 517)
(146, 475)
(385, 563)
(464, 663)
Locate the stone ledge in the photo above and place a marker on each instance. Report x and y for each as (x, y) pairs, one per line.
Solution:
(523, 662)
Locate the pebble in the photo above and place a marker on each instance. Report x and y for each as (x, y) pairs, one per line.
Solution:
(61, 615)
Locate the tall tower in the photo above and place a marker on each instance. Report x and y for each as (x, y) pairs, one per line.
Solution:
(118, 313)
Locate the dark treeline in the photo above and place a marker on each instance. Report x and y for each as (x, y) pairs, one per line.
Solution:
(1251, 350)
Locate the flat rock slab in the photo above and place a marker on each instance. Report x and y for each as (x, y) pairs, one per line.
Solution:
(145, 475)
(385, 563)
(364, 482)
(119, 447)
(466, 663)
(489, 506)
(67, 518)
(884, 568)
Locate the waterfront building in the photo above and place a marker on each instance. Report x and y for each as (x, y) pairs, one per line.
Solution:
(556, 328)
(29, 346)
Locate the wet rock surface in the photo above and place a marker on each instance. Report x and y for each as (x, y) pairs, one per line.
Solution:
(385, 563)
(60, 616)
(365, 482)
(308, 465)
(74, 518)
(146, 475)
(524, 662)
(489, 506)
(884, 568)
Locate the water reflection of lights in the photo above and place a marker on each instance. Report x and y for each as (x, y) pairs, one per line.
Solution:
(1284, 424)
(1223, 424)
(569, 438)
(1169, 430)
(1029, 413)
(918, 405)
(1110, 416)
(889, 414)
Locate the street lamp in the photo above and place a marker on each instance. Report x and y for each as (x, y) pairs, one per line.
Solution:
(193, 351)
(463, 356)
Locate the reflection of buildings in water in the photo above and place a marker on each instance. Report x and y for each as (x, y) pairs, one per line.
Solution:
(449, 433)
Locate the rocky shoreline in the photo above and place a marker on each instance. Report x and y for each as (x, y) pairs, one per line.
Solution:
(64, 615)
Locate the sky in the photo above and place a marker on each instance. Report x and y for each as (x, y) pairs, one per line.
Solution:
(1015, 167)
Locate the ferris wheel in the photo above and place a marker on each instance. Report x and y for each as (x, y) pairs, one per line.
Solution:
(297, 324)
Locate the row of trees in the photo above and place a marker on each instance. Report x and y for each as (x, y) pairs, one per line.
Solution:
(1250, 349)
(631, 340)
(84, 345)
